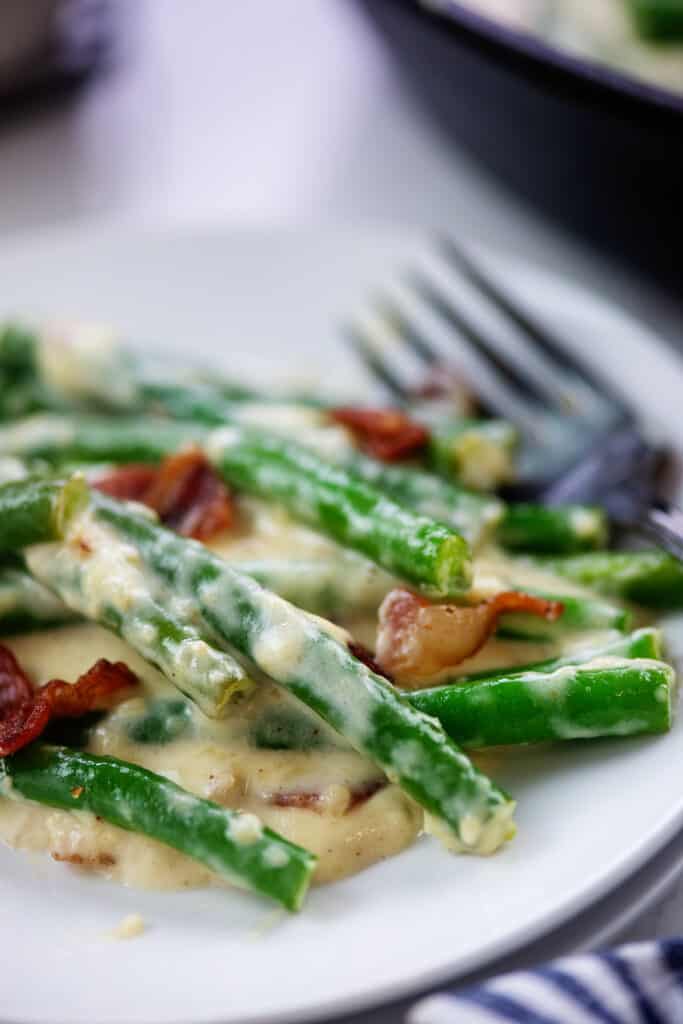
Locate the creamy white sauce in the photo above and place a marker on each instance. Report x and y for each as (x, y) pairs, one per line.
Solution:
(267, 531)
(279, 649)
(84, 361)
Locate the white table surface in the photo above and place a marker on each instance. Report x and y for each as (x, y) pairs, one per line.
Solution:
(267, 110)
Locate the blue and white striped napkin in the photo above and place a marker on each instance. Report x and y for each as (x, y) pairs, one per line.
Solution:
(635, 984)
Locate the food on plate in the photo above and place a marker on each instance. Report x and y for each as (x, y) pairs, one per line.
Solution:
(258, 639)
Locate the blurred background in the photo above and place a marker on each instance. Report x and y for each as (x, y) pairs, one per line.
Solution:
(338, 111)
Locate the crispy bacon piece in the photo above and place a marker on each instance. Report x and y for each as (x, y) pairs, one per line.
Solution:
(25, 713)
(190, 497)
(312, 800)
(368, 659)
(387, 434)
(91, 692)
(359, 794)
(184, 490)
(22, 725)
(417, 640)
(100, 860)
(129, 483)
(15, 686)
(304, 799)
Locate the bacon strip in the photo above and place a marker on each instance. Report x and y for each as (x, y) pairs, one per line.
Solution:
(368, 659)
(99, 860)
(417, 641)
(360, 794)
(386, 434)
(15, 686)
(184, 490)
(190, 497)
(25, 713)
(128, 483)
(303, 799)
(311, 800)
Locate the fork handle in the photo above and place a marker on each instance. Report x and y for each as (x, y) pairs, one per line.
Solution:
(663, 523)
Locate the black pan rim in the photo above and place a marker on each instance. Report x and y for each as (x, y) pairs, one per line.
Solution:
(523, 53)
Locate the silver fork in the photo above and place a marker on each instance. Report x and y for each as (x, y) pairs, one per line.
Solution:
(582, 441)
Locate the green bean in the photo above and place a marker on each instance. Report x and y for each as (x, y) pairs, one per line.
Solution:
(552, 529)
(330, 498)
(606, 697)
(578, 613)
(106, 583)
(658, 21)
(234, 845)
(162, 722)
(642, 643)
(35, 510)
(535, 707)
(287, 729)
(251, 458)
(653, 579)
(474, 516)
(61, 439)
(337, 502)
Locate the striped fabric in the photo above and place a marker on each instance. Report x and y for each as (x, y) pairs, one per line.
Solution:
(637, 984)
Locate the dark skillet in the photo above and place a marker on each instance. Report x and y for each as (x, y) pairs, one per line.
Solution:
(599, 151)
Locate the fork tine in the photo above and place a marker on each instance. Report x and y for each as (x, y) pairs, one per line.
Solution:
(377, 366)
(406, 329)
(494, 396)
(533, 332)
(525, 387)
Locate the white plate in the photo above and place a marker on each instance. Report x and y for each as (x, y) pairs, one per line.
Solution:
(638, 910)
(589, 814)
